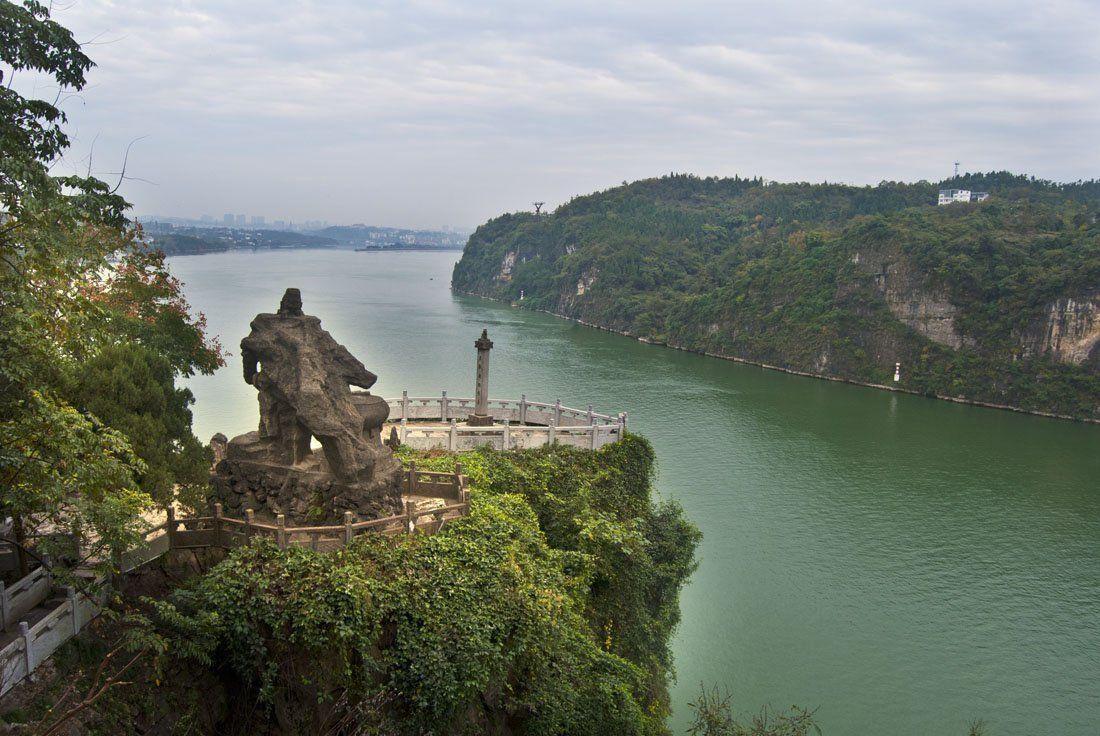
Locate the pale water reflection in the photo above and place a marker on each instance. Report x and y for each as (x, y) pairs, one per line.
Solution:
(905, 564)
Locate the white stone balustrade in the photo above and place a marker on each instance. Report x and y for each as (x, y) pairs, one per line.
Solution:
(438, 423)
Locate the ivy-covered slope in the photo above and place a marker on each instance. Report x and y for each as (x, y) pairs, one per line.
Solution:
(996, 302)
(547, 610)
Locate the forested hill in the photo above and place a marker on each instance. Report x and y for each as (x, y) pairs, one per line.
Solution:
(997, 301)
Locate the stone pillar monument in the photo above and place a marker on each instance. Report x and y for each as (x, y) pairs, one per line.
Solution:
(480, 417)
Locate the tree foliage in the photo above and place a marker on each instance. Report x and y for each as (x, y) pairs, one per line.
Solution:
(81, 300)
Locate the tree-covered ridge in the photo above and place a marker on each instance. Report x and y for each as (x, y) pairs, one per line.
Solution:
(821, 277)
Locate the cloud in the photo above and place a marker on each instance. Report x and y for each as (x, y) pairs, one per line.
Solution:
(441, 112)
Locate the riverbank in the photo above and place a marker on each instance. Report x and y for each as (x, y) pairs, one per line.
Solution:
(793, 371)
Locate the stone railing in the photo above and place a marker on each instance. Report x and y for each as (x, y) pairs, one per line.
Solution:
(218, 530)
(34, 644)
(519, 424)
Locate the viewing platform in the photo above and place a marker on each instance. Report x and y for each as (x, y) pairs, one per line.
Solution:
(441, 423)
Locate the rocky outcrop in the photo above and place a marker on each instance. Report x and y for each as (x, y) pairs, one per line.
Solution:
(584, 283)
(303, 378)
(507, 265)
(928, 312)
(1068, 331)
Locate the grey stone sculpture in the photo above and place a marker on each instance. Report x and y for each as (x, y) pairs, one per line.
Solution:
(303, 378)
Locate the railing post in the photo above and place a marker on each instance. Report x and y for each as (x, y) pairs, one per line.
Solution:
(249, 520)
(218, 542)
(451, 436)
(507, 435)
(347, 528)
(593, 430)
(404, 429)
(3, 605)
(404, 407)
(557, 412)
(523, 409)
(280, 522)
(443, 407)
(622, 419)
(28, 646)
(458, 481)
(412, 478)
(591, 415)
(170, 525)
(74, 605)
(410, 521)
(553, 434)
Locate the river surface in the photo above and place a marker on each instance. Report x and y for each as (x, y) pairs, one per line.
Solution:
(904, 565)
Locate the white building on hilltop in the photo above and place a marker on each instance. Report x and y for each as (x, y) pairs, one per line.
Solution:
(947, 196)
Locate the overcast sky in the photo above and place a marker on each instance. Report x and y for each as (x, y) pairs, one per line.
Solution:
(446, 113)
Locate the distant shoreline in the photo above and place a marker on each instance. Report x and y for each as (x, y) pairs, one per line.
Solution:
(793, 371)
(314, 247)
(411, 248)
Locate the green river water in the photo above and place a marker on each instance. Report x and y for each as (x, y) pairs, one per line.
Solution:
(903, 564)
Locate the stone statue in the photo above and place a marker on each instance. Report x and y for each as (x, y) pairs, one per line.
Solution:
(303, 378)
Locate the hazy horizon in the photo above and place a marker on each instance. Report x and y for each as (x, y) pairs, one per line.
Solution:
(432, 114)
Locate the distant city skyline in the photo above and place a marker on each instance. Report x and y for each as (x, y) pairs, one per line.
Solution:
(423, 113)
(250, 221)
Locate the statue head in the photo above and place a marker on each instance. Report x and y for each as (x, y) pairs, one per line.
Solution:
(291, 305)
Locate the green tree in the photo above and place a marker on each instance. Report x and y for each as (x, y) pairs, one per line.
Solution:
(131, 389)
(75, 282)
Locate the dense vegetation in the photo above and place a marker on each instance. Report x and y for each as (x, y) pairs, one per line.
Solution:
(802, 276)
(547, 610)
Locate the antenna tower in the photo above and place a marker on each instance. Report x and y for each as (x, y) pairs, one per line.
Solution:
(538, 207)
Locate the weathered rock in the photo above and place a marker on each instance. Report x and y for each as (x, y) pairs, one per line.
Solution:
(218, 445)
(304, 378)
(928, 311)
(1068, 331)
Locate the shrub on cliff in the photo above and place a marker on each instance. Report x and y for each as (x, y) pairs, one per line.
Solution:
(635, 553)
(546, 610)
(478, 629)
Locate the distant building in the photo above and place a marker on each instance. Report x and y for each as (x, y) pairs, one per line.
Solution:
(227, 220)
(241, 221)
(257, 220)
(947, 196)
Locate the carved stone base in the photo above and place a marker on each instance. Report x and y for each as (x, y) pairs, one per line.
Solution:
(479, 420)
(304, 492)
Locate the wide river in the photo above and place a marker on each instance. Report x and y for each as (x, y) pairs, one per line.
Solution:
(902, 564)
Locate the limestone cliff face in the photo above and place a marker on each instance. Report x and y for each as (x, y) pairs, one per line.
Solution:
(507, 265)
(927, 311)
(1068, 331)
